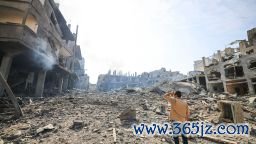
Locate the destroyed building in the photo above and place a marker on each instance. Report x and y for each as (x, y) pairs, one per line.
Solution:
(39, 53)
(231, 70)
(113, 81)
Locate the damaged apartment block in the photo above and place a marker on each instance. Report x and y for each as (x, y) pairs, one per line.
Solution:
(39, 54)
(233, 70)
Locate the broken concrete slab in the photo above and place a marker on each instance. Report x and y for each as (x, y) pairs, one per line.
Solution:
(45, 128)
(231, 111)
(157, 90)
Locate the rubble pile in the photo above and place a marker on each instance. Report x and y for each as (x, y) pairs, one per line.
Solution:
(106, 117)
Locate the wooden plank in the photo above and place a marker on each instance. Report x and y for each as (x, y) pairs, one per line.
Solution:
(12, 97)
(237, 113)
(114, 134)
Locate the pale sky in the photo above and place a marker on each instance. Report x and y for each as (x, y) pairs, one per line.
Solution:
(144, 35)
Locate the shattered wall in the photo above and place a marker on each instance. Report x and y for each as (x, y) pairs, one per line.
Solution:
(233, 70)
(37, 48)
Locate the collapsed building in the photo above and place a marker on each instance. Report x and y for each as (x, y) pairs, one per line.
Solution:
(231, 70)
(113, 81)
(39, 54)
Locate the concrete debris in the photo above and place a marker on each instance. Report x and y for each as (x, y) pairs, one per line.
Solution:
(78, 124)
(252, 102)
(93, 116)
(15, 135)
(157, 90)
(40, 59)
(161, 110)
(128, 114)
(1, 141)
(231, 112)
(253, 132)
(145, 105)
(222, 96)
(48, 127)
(130, 90)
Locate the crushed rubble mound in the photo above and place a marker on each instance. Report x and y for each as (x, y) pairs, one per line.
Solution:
(185, 87)
(98, 117)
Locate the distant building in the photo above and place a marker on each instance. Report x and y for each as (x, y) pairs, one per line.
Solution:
(113, 81)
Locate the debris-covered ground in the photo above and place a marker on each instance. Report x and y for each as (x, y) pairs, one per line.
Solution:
(94, 117)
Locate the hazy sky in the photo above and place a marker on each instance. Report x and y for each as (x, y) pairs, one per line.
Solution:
(144, 35)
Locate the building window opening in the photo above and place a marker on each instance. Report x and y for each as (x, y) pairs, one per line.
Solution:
(214, 75)
(252, 65)
(234, 72)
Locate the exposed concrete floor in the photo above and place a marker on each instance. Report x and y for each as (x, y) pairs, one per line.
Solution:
(100, 113)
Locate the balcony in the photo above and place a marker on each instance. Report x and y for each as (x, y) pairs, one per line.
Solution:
(12, 36)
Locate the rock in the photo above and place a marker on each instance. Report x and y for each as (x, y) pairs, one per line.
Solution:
(45, 128)
(78, 124)
(128, 114)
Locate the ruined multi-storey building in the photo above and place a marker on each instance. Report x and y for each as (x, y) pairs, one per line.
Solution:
(112, 81)
(38, 52)
(232, 70)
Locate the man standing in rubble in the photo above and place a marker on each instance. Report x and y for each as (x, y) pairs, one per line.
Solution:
(179, 112)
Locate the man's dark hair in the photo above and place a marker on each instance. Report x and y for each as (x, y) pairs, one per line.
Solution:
(178, 94)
